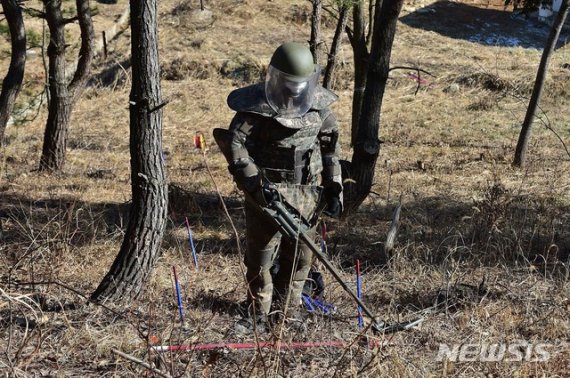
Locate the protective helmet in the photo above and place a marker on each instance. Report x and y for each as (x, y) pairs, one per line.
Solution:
(291, 80)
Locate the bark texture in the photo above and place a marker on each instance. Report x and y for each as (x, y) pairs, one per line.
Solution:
(13, 81)
(367, 144)
(335, 47)
(141, 247)
(315, 40)
(524, 136)
(358, 41)
(63, 96)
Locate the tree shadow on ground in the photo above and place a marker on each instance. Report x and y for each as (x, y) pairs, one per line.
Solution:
(500, 228)
(203, 207)
(65, 219)
(204, 212)
(489, 27)
(218, 305)
(112, 74)
(26, 221)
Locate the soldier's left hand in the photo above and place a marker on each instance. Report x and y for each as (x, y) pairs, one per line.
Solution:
(333, 207)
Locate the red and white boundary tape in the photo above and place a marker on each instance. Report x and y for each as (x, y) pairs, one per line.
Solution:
(261, 345)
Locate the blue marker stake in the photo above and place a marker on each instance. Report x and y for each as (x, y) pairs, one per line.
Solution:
(323, 237)
(314, 305)
(326, 308)
(307, 300)
(178, 296)
(191, 242)
(358, 293)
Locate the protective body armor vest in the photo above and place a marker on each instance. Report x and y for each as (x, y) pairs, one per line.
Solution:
(285, 150)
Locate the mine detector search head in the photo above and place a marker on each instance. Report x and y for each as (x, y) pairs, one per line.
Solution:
(289, 221)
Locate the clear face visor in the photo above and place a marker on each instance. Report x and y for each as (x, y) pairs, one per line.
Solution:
(290, 96)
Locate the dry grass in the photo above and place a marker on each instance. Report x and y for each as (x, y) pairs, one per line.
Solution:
(467, 215)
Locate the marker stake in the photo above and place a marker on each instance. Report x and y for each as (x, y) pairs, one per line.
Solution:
(358, 294)
(178, 295)
(191, 243)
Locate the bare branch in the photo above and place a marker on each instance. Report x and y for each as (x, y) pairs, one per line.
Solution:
(315, 30)
(393, 232)
(349, 34)
(548, 125)
(157, 107)
(337, 39)
(418, 70)
(73, 290)
(330, 11)
(12, 83)
(70, 20)
(33, 12)
(410, 68)
(141, 363)
(86, 51)
(372, 4)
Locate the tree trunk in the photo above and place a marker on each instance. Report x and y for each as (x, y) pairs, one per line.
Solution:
(337, 38)
(524, 136)
(63, 96)
(316, 30)
(55, 137)
(367, 144)
(86, 51)
(141, 245)
(13, 80)
(361, 58)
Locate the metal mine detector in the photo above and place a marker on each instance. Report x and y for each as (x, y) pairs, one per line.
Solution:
(288, 220)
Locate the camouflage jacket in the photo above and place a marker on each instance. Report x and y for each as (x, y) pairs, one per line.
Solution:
(302, 151)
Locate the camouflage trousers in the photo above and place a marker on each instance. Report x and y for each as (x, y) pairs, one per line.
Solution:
(266, 247)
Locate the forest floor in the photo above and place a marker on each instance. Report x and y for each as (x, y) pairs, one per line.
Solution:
(482, 251)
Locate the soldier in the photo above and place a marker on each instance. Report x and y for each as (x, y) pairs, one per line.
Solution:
(283, 135)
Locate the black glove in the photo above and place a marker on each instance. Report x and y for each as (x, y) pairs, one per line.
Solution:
(333, 207)
(265, 194)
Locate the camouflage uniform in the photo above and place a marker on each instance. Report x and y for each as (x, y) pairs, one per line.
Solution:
(298, 155)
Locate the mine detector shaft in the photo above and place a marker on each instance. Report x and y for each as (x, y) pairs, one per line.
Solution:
(293, 225)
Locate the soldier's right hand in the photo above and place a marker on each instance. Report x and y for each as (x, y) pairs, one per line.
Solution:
(265, 194)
